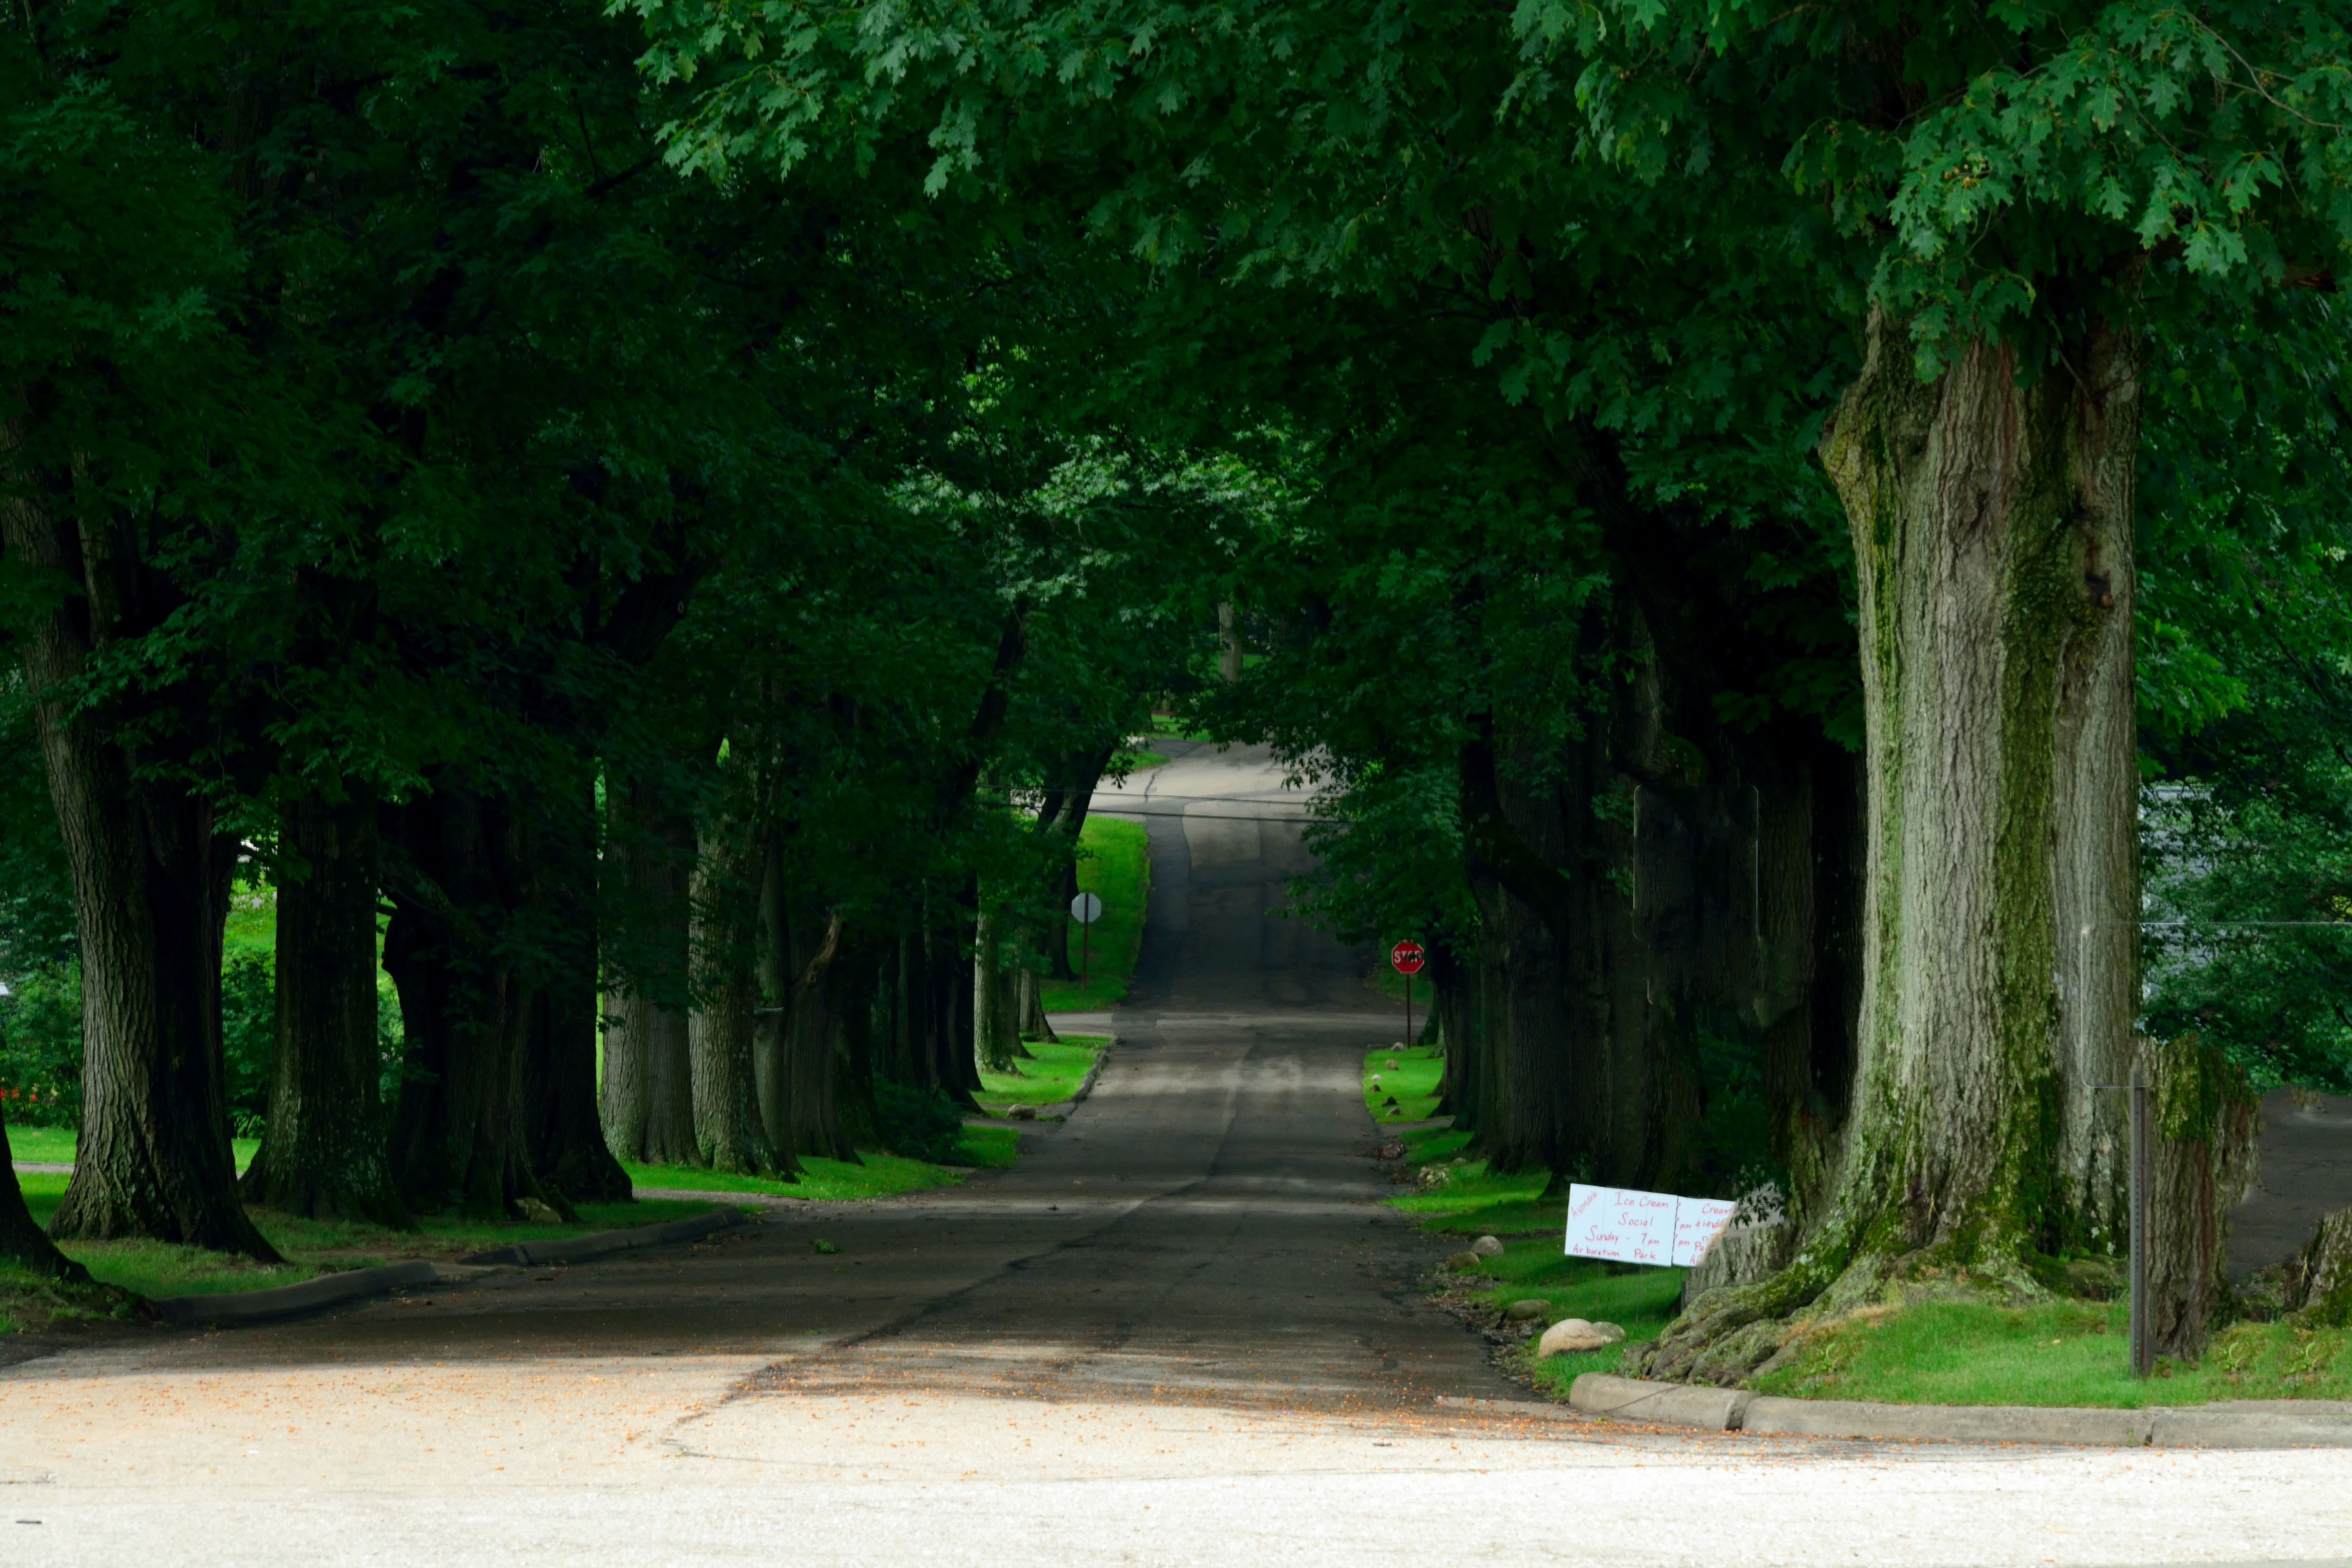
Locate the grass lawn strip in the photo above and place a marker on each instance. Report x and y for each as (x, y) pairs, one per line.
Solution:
(1118, 870)
(1926, 1350)
(2066, 1352)
(1408, 1076)
(1050, 1080)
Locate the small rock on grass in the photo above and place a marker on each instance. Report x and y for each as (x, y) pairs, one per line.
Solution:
(538, 1211)
(1462, 1261)
(1022, 1113)
(1527, 1311)
(1572, 1336)
(1487, 1246)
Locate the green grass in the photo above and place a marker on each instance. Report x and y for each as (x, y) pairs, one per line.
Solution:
(55, 1146)
(1640, 1300)
(879, 1175)
(1118, 870)
(1412, 1082)
(316, 1247)
(1052, 1077)
(1931, 1351)
(1139, 761)
(2056, 1353)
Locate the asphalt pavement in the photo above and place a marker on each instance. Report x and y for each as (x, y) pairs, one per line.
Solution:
(1184, 1330)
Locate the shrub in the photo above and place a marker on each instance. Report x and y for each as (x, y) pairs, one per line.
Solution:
(248, 1039)
(919, 1124)
(40, 1048)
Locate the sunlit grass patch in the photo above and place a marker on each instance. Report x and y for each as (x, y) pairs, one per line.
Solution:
(826, 1180)
(1116, 869)
(1411, 1083)
(2054, 1352)
(55, 1146)
(1050, 1078)
(43, 1190)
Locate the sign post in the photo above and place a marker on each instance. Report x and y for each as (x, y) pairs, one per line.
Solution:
(1406, 958)
(1085, 909)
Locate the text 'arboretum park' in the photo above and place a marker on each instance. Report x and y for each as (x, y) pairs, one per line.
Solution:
(904, 782)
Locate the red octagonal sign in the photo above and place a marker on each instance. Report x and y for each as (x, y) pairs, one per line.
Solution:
(1407, 957)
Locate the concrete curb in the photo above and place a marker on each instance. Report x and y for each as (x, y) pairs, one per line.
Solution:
(2194, 1426)
(326, 1290)
(2178, 1427)
(1950, 1422)
(1666, 1403)
(577, 1248)
(1061, 1108)
(1086, 1084)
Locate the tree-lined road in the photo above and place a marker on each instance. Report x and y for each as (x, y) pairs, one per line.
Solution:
(1184, 1330)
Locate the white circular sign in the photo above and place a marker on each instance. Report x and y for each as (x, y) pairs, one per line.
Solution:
(1085, 909)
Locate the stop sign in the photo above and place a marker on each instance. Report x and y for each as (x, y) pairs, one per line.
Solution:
(1407, 958)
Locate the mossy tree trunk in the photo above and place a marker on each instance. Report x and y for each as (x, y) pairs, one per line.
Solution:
(996, 1006)
(322, 1153)
(1991, 522)
(2207, 1126)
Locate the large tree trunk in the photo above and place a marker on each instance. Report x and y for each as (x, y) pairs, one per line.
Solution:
(1991, 522)
(322, 1154)
(566, 1136)
(727, 1126)
(647, 1103)
(458, 1140)
(855, 1105)
(996, 1006)
(151, 888)
(816, 1053)
(957, 1060)
(2207, 1127)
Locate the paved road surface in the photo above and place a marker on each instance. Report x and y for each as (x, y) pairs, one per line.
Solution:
(1183, 1331)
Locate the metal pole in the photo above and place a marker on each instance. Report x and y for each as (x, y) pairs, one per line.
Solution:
(2143, 1362)
(1407, 1010)
(1085, 950)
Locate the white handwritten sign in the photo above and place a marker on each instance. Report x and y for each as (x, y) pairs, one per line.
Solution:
(1697, 1222)
(1629, 1226)
(1619, 1224)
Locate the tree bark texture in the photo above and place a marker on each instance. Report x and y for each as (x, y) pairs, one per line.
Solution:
(566, 1133)
(727, 1125)
(322, 1152)
(2319, 1278)
(1991, 523)
(1992, 533)
(816, 1046)
(2208, 1125)
(150, 876)
(459, 865)
(646, 1101)
(996, 1006)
